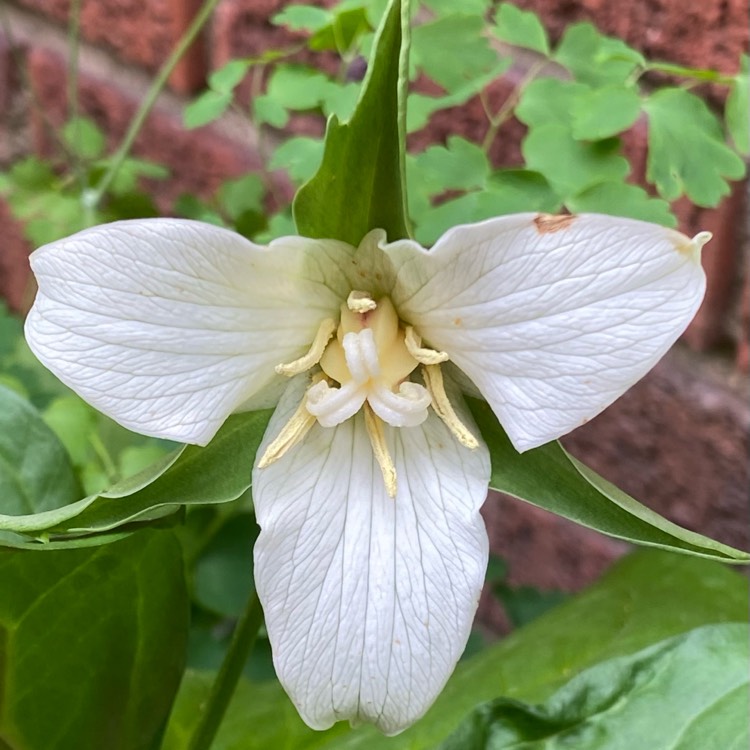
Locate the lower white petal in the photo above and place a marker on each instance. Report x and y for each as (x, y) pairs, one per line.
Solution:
(369, 599)
(552, 318)
(168, 326)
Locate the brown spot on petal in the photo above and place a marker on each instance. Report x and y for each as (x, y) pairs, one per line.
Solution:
(549, 223)
(457, 321)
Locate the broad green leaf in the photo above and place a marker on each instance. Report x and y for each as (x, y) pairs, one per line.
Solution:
(92, 644)
(260, 717)
(622, 199)
(521, 28)
(218, 473)
(453, 50)
(223, 572)
(363, 157)
(665, 696)
(686, 149)
(596, 59)
(83, 138)
(605, 112)
(35, 472)
(299, 156)
(552, 479)
(737, 112)
(302, 18)
(643, 599)
(571, 166)
(209, 106)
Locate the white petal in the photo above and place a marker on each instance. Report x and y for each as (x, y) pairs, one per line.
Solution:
(368, 599)
(168, 326)
(552, 318)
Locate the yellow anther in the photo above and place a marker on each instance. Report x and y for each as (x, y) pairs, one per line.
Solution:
(292, 433)
(326, 329)
(374, 426)
(424, 356)
(433, 379)
(360, 302)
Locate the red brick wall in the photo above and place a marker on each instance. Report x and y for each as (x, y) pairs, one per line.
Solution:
(125, 41)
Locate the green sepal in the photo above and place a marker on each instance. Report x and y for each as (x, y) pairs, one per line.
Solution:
(550, 478)
(360, 184)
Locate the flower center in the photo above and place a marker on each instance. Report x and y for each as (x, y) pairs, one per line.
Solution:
(366, 366)
(370, 362)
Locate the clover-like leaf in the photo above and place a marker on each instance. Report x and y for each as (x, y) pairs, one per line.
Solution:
(571, 166)
(604, 112)
(737, 111)
(594, 58)
(622, 199)
(300, 156)
(687, 153)
(452, 50)
(521, 28)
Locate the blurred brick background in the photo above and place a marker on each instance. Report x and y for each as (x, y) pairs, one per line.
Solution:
(678, 440)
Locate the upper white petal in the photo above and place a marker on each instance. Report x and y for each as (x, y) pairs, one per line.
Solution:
(168, 325)
(369, 599)
(552, 319)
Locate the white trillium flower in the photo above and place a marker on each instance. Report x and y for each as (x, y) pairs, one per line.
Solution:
(368, 483)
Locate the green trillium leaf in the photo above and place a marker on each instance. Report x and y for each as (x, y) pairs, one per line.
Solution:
(646, 598)
(92, 644)
(552, 479)
(191, 475)
(35, 472)
(677, 694)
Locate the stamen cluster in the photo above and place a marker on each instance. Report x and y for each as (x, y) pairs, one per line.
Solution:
(367, 366)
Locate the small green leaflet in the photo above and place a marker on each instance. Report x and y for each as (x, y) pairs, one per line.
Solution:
(737, 110)
(521, 28)
(680, 127)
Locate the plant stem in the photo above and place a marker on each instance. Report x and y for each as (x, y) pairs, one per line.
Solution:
(509, 105)
(150, 99)
(243, 640)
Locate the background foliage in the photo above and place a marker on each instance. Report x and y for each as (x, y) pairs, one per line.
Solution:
(71, 480)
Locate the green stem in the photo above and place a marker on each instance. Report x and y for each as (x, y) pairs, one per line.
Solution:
(150, 99)
(243, 640)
